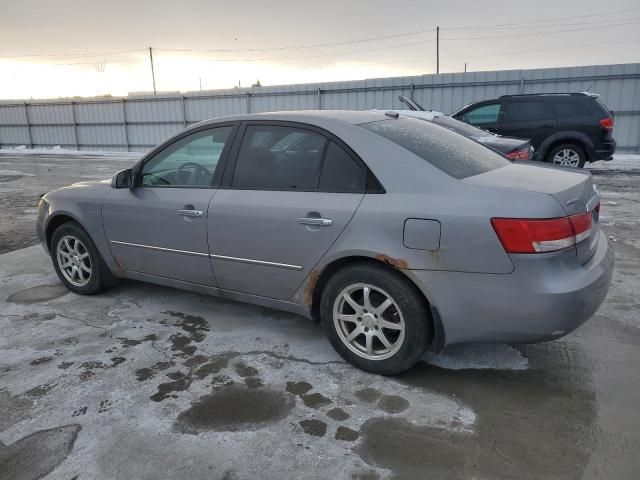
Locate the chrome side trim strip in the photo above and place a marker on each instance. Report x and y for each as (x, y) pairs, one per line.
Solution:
(162, 249)
(258, 262)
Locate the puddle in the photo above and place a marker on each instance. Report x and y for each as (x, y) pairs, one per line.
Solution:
(235, 408)
(393, 404)
(38, 294)
(314, 427)
(38, 454)
(368, 395)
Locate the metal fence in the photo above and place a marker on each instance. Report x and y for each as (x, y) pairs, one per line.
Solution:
(137, 123)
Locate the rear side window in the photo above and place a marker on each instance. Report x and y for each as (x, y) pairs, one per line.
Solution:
(566, 108)
(454, 154)
(275, 157)
(460, 127)
(528, 111)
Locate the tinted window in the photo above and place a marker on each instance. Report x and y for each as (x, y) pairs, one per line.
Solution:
(340, 172)
(527, 111)
(454, 154)
(483, 115)
(566, 108)
(190, 161)
(279, 158)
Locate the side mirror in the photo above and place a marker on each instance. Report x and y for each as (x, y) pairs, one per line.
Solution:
(122, 179)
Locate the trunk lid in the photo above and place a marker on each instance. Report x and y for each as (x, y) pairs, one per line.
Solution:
(574, 190)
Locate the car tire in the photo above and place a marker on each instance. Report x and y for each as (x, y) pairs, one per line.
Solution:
(77, 261)
(405, 323)
(567, 155)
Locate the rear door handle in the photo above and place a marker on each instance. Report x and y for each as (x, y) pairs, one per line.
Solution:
(319, 222)
(190, 213)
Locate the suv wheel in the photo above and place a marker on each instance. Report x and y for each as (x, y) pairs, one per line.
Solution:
(567, 155)
(375, 318)
(77, 261)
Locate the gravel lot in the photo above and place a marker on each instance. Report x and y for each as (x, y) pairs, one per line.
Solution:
(149, 382)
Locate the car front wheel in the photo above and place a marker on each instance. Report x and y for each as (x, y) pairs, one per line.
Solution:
(76, 260)
(375, 318)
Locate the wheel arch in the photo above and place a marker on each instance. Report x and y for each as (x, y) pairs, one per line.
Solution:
(576, 138)
(318, 280)
(55, 221)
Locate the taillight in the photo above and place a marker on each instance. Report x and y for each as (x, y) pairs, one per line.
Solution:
(522, 154)
(519, 235)
(607, 123)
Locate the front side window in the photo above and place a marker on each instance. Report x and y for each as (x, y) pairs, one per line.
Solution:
(191, 161)
(484, 115)
(274, 157)
(529, 111)
(454, 154)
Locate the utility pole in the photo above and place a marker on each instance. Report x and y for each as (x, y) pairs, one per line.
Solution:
(465, 67)
(437, 50)
(153, 75)
(200, 78)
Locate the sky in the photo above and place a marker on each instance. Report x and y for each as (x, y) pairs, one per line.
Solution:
(73, 48)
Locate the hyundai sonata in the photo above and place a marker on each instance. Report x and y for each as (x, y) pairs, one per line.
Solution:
(399, 235)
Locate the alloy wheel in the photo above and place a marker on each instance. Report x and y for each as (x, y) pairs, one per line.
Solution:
(566, 157)
(368, 321)
(74, 260)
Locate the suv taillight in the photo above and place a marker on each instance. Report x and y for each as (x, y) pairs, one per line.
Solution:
(522, 154)
(519, 235)
(607, 124)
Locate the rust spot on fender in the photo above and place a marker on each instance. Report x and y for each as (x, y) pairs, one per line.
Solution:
(394, 262)
(314, 276)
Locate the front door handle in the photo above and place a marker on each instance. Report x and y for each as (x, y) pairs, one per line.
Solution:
(190, 213)
(318, 222)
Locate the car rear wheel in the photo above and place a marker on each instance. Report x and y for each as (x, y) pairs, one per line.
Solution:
(375, 318)
(77, 261)
(567, 155)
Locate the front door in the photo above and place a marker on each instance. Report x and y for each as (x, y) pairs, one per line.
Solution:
(159, 227)
(486, 116)
(290, 194)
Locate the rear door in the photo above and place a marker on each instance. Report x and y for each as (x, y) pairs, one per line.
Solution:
(528, 118)
(287, 196)
(159, 227)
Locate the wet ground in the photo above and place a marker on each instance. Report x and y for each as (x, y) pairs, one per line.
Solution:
(149, 382)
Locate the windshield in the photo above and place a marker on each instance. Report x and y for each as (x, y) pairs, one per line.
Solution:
(450, 152)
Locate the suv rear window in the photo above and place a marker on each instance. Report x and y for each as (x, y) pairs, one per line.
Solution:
(454, 154)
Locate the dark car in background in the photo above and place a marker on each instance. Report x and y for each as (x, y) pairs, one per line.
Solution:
(566, 129)
(513, 148)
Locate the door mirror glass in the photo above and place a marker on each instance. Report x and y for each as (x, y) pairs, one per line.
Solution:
(122, 179)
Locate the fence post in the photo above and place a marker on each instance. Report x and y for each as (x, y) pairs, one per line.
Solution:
(184, 113)
(124, 124)
(75, 125)
(248, 97)
(521, 89)
(26, 116)
(319, 100)
(411, 91)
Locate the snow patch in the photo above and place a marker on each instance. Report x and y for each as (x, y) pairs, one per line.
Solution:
(59, 151)
(619, 162)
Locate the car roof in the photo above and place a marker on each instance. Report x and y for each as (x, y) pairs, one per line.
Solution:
(353, 117)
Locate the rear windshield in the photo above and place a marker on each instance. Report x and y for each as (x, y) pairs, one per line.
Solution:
(461, 127)
(452, 153)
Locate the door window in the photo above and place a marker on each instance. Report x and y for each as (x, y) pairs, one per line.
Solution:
(340, 172)
(530, 111)
(191, 161)
(274, 157)
(483, 115)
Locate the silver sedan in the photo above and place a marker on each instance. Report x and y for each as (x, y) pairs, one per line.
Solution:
(397, 234)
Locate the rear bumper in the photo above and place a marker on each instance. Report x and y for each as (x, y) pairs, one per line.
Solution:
(543, 299)
(604, 151)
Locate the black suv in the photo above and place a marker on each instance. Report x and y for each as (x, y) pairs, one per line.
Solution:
(564, 128)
